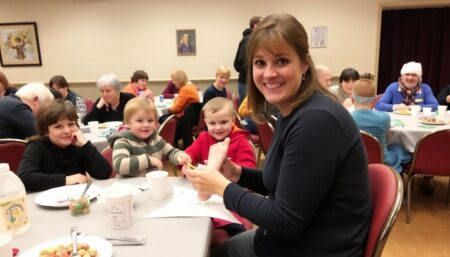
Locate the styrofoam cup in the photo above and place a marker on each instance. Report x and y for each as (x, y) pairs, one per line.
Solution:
(157, 184)
(415, 109)
(426, 111)
(93, 127)
(442, 110)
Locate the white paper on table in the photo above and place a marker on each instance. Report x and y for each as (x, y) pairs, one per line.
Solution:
(184, 203)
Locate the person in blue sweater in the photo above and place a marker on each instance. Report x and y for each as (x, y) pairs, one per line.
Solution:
(408, 90)
(376, 123)
(311, 198)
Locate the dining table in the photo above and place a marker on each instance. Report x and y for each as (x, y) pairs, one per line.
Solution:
(407, 129)
(166, 237)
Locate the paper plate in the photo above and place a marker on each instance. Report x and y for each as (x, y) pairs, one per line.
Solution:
(437, 122)
(58, 196)
(402, 112)
(103, 247)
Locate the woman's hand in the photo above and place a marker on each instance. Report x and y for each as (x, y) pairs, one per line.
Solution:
(77, 179)
(207, 181)
(78, 138)
(401, 106)
(347, 103)
(101, 103)
(231, 171)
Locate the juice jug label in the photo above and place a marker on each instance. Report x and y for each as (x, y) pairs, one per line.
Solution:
(14, 213)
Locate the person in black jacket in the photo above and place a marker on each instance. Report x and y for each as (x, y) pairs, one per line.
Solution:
(60, 155)
(240, 62)
(444, 96)
(313, 196)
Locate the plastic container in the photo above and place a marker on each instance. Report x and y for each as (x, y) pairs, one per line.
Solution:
(13, 203)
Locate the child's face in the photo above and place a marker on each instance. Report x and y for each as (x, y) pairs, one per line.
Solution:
(222, 80)
(61, 133)
(219, 124)
(142, 124)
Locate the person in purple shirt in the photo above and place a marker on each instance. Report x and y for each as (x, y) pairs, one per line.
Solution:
(408, 90)
(170, 91)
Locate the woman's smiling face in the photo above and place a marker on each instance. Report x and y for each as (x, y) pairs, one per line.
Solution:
(278, 75)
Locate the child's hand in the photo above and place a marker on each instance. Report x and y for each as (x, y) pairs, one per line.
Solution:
(76, 179)
(78, 138)
(156, 163)
(347, 103)
(183, 158)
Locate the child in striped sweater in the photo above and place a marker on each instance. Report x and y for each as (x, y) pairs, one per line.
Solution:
(140, 149)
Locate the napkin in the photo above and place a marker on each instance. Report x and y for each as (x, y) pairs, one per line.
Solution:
(397, 123)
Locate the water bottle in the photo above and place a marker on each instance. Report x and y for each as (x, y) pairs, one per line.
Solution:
(13, 203)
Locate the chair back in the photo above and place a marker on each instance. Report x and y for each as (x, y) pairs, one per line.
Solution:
(11, 152)
(386, 196)
(168, 129)
(89, 104)
(431, 155)
(265, 133)
(373, 147)
(107, 154)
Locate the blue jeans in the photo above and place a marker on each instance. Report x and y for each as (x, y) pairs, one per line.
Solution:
(238, 246)
(242, 90)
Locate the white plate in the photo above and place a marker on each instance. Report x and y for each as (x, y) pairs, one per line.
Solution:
(58, 196)
(103, 247)
(113, 124)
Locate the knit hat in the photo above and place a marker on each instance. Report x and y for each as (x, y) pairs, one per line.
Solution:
(412, 67)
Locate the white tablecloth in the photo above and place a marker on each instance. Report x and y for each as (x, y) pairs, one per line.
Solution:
(412, 130)
(165, 236)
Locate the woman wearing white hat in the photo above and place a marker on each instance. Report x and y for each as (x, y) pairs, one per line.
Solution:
(409, 90)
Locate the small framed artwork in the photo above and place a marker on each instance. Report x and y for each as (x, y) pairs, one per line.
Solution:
(186, 42)
(19, 44)
(319, 37)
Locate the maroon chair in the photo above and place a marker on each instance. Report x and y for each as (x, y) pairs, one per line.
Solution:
(89, 104)
(373, 148)
(11, 152)
(386, 188)
(107, 154)
(265, 134)
(168, 128)
(431, 158)
(220, 235)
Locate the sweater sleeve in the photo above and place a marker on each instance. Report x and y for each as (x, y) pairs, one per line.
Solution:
(386, 102)
(245, 154)
(29, 170)
(428, 98)
(96, 165)
(188, 94)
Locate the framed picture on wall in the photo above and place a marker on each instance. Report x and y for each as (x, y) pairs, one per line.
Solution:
(19, 44)
(186, 42)
(319, 37)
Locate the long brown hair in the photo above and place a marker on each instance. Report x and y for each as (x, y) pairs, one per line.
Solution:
(50, 113)
(270, 32)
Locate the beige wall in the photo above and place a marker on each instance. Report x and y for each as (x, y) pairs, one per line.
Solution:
(83, 39)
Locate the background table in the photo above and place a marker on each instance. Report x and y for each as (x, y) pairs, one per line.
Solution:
(166, 237)
(411, 132)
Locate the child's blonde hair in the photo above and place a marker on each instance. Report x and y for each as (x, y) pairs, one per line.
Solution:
(137, 104)
(217, 104)
(364, 90)
(223, 70)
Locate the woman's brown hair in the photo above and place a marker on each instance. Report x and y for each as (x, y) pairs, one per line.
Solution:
(269, 34)
(50, 113)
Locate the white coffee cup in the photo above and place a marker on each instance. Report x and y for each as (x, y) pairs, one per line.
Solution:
(5, 245)
(442, 110)
(426, 111)
(119, 205)
(415, 109)
(157, 184)
(93, 127)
